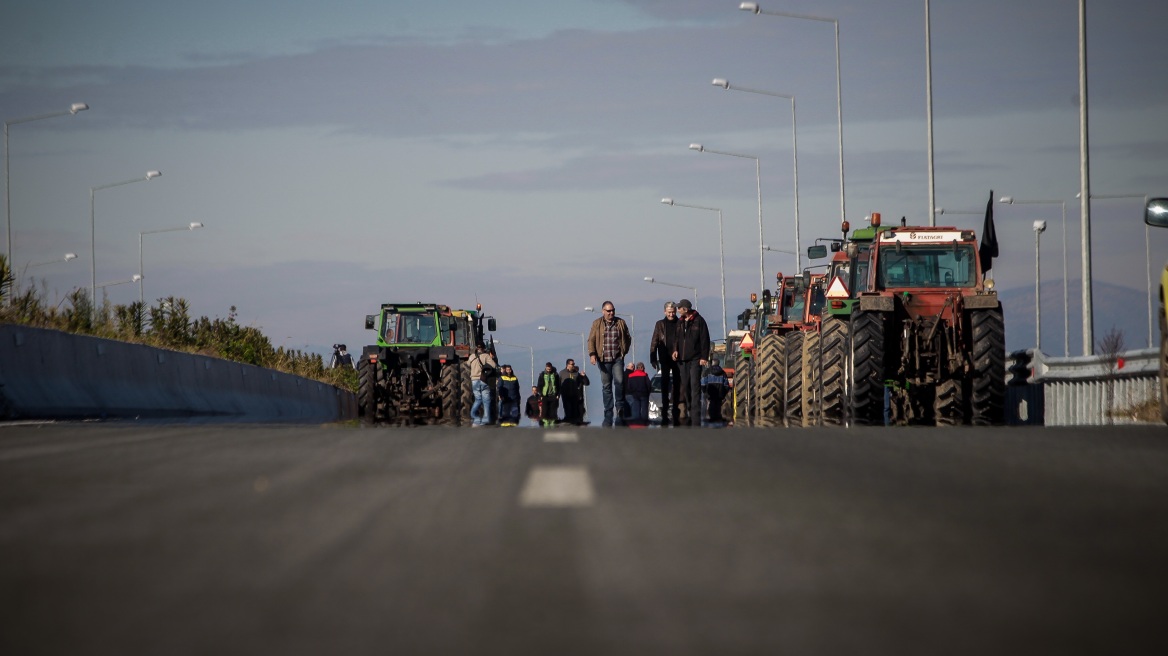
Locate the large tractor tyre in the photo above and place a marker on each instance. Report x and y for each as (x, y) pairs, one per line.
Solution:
(948, 410)
(768, 377)
(467, 393)
(744, 402)
(793, 383)
(368, 375)
(833, 348)
(451, 394)
(988, 379)
(1163, 366)
(867, 357)
(812, 360)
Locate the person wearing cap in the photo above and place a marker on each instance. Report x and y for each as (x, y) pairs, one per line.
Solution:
(548, 385)
(691, 351)
(661, 357)
(608, 342)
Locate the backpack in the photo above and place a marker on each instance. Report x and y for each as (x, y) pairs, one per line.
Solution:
(487, 373)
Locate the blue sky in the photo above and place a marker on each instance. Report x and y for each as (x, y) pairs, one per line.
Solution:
(345, 154)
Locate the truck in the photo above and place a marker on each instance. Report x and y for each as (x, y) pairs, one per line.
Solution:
(925, 340)
(417, 371)
(1156, 214)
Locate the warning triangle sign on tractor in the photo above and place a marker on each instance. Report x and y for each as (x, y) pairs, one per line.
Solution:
(837, 289)
(747, 343)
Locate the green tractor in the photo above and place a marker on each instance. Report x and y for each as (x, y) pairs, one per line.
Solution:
(417, 372)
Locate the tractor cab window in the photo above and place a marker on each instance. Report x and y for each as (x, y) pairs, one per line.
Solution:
(794, 311)
(462, 332)
(927, 266)
(389, 328)
(416, 329)
(817, 300)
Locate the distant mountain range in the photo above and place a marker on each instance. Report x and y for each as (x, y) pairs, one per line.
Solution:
(1115, 306)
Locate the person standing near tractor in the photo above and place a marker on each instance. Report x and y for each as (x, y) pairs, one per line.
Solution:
(548, 385)
(691, 351)
(572, 384)
(661, 357)
(508, 397)
(608, 342)
(482, 375)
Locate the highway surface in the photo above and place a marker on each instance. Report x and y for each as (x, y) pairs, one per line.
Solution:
(125, 538)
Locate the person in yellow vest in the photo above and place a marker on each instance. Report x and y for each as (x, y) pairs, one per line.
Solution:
(548, 385)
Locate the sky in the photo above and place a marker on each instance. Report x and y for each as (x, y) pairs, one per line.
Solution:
(514, 153)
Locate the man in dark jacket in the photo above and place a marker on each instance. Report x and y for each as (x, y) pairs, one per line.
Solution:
(534, 406)
(508, 397)
(572, 384)
(691, 351)
(661, 357)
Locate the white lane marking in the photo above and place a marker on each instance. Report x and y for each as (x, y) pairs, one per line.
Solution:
(561, 436)
(557, 487)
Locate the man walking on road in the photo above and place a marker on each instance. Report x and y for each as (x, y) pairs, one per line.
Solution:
(608, 342)
(661, 357)
(691, 352)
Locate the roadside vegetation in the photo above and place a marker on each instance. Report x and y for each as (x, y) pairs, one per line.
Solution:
(167, 324)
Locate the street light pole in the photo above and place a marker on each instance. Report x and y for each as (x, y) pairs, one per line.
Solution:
(1039, 228)
(1010, 200)
(725, 84)
(194, 225)
(150, 175)
(73, 109)
(929, 111)
(839, 104)
(651, 279)
(721, 259)
(758, 181)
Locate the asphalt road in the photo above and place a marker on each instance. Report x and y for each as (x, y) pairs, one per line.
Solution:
(125, 538)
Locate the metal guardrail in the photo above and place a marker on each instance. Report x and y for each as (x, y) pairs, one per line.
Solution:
(1076, 390)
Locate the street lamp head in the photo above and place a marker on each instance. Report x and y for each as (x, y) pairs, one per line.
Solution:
(939, 210)
(667, 201)
(78, 107)
(749, 6)
(649, 279)
(70, 256)
(543, 328)
(721, 82)
(1039, 226)
(195, 225)
(697, 147)
(150, 175)
(1008, 200)
(589, 308)
(135, 278)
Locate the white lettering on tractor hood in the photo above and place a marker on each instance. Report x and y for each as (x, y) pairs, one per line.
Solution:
(919, 236)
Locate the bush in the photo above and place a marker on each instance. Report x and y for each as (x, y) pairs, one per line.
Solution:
(166, 325)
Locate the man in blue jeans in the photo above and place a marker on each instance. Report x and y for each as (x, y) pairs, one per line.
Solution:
(608, 342)
(482, 372)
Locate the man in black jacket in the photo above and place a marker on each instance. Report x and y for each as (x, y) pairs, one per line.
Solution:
(691, 351)
(661, 357)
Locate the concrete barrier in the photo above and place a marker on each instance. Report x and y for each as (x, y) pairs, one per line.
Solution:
(52, 374)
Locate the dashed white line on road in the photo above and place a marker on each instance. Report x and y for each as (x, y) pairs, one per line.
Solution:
(557, 487)
(561, 436)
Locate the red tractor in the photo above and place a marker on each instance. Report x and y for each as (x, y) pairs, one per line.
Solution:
(926, 337)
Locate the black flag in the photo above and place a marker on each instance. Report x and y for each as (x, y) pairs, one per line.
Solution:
(988, 249)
